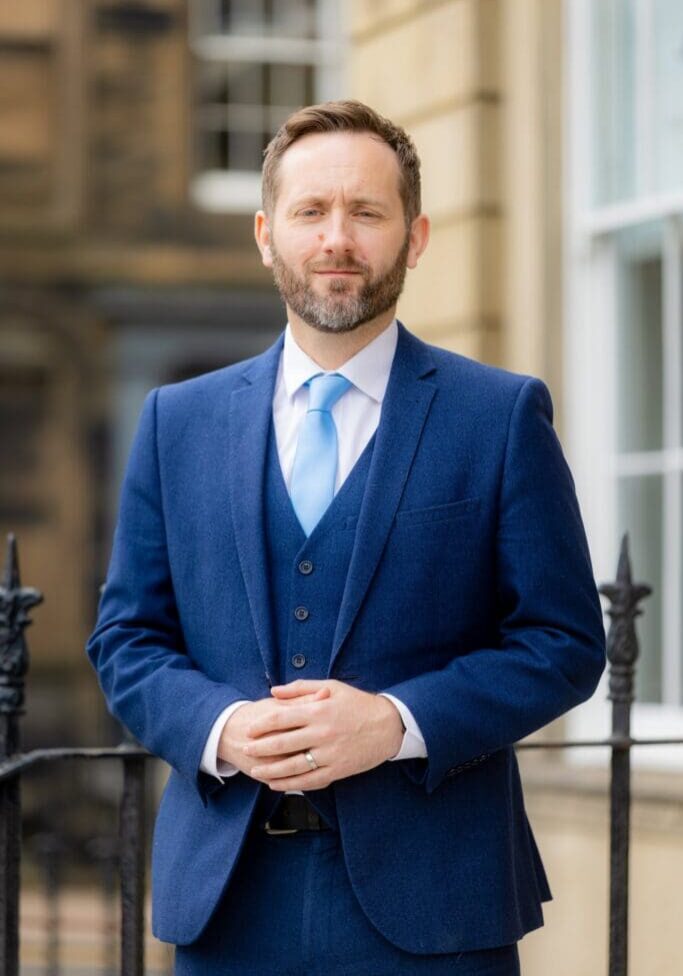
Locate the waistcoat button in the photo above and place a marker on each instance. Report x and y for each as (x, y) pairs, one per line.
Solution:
(305, 567)
(301, 613)
(298, 660)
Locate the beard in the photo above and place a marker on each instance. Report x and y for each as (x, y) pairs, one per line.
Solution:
(341, 309)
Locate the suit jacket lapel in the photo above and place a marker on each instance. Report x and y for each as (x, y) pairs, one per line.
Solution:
(404, 411)
(250, 418)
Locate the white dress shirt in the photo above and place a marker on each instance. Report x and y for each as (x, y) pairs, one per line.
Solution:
(356, 415)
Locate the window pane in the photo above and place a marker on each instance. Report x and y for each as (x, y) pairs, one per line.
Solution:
(291, 85)
(243, 16)
(206, 15)
(639, 345)
(245, 84)
(637, 63)
(24, 412)
(667, 94)
(639, 513)
(293, 18)
(613, 88)
(282, 18)
(212, 149)
(244, 150)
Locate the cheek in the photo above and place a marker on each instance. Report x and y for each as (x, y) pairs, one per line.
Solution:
(302, 248)
(378, 249)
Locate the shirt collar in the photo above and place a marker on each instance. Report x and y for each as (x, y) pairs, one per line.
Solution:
(368, 370)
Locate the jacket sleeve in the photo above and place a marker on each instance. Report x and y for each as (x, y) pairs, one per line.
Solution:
(137, 648)
(551, 648)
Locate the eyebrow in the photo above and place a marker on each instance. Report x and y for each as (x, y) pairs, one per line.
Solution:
(355, 202)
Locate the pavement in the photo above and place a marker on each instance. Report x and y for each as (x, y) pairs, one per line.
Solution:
(88, 943)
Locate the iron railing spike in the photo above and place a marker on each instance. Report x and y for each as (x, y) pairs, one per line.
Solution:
(10, 574)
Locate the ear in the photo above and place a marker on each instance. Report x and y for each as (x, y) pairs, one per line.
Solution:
(262, 235)
(419, 237)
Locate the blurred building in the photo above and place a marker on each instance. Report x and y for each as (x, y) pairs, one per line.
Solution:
(551, 135)
(130, 149)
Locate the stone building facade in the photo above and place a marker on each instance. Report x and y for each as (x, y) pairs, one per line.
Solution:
(111, 282)
(483, 87)
(126, 260)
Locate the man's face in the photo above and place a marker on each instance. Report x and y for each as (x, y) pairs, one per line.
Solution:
(337, 241)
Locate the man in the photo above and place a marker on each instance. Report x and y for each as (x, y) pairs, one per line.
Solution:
(347, 576)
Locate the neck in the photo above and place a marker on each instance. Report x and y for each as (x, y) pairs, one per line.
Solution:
(330, 350)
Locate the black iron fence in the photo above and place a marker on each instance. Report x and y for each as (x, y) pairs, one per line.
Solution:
(16, 602)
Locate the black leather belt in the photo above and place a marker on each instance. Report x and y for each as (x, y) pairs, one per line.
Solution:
(292, 814)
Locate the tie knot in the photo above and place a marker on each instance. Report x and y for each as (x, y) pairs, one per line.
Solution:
(325, 390)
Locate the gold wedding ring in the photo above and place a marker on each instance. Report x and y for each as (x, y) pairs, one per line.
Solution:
(308, 756)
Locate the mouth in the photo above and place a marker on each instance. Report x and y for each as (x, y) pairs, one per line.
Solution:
(336, 274)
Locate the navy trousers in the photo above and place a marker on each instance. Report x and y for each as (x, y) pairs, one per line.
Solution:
(290, 911)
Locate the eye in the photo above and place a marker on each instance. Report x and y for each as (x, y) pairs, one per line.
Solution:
(309, 212)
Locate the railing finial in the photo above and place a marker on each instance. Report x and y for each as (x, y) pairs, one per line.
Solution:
(624, 563)
(15, 602)
(622, 644)
(10, 576)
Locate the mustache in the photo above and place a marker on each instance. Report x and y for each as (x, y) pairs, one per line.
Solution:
(340, 266)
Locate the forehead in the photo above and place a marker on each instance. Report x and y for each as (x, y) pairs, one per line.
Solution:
(357, 163)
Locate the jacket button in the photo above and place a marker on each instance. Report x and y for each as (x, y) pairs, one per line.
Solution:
(299, 660)
(301, 613)
(305, 567)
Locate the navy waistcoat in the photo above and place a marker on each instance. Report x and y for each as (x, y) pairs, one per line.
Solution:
(307, 576)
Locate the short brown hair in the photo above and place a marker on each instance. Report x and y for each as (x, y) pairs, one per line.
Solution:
(344, 116)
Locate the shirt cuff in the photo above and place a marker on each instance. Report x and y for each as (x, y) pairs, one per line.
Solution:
(210, 762)
(413, 745)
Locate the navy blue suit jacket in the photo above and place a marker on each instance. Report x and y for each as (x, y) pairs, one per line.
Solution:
(469, 596)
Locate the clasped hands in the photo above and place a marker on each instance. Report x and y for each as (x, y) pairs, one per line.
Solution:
(346, 730)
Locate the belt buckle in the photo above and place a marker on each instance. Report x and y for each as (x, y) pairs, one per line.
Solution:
(276, 831)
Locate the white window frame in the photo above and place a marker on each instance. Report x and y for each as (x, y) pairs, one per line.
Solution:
(590, 336)
(239, 191)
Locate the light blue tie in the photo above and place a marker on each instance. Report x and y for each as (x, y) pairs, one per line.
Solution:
(315, 462)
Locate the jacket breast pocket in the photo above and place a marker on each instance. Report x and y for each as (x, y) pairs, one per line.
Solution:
(460, 509)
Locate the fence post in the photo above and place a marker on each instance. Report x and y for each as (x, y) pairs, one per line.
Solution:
(50, 849)
(104, 850)
(132, 867)
(15, 603)
(622, 653)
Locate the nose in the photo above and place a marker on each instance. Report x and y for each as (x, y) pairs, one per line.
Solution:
(338, 235)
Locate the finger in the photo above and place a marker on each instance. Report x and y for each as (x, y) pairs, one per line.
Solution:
(315, 779)
(292, 717)
(300, 699)
(279, 744)
(302, 686)
(290, 766)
